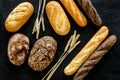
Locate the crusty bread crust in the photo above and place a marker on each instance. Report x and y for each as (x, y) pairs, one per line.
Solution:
(95, 57)
(19, 16)
(57, 18)
(90, 11)
(88, 49)
(74, 11)
(42, 53)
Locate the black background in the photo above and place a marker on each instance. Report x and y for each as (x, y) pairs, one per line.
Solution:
(107, 69)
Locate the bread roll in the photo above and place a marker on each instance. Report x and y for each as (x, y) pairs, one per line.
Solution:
(19, 16)
(18, 46)
(74, 11)
(90, 11)
(87, 50)
(42, 53)
(57, 18)
(95, 57)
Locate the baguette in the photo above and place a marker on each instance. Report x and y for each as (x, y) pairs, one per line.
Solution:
(73, 10)
(19, 16)
(89, 48)
(95, 57)
(90, 11)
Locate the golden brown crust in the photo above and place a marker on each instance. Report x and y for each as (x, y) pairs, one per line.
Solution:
(90, 11)
(57, 18)
(19, 16)
(95, 57)
(74, 11)
(88, 49)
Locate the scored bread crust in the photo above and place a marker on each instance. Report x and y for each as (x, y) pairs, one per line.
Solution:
(74, 11)
(95, 57)
(19, 16)
(88, 49)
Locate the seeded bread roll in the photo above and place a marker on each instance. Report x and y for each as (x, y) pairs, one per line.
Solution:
(95, 58)
(42, 53)
(90, 11)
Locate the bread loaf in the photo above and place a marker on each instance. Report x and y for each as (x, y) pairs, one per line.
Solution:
(95, 58)
(19, 16)
(89, 48)
(57, 18)
(42, 53)
(74, 11)
(90, 11)
(18, 46)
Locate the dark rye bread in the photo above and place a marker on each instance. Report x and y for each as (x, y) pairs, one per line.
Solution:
(95, 58)
(90, 11)
(18, 46)
(42, 53)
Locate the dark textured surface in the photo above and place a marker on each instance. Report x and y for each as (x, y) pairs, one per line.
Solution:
(107, 69)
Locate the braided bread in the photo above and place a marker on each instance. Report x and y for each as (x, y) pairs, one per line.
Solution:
(95, 58)
(90, 11)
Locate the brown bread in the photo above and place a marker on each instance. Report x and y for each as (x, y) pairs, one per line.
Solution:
(42, 53)
(95, 58)
(18, 46)
(90, 11)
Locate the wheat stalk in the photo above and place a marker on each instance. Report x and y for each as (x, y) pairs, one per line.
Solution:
(71, 44)
(39, 19)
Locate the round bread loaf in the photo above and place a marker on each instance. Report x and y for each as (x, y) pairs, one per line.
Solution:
(18, 46)
(42, 53)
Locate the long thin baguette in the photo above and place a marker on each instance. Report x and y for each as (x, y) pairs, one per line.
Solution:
(95, 57)
(90, 11)
(89, 48)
